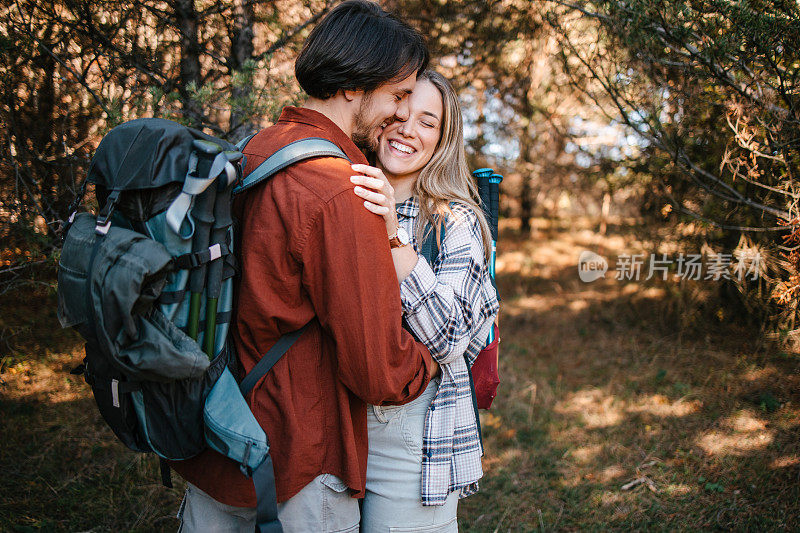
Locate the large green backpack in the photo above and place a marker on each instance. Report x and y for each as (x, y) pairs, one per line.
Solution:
(148, 283)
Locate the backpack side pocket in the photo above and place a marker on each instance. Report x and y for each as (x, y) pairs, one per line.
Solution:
(113, 395)
(230, 426)
(171, 413)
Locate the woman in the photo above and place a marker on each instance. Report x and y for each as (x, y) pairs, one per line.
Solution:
(425, 455)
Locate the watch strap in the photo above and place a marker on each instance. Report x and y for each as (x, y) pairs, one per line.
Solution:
(400, 238)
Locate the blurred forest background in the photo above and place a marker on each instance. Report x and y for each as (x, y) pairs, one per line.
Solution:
(622, 127)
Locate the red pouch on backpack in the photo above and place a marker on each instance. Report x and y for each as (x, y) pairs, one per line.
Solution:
(485, 374)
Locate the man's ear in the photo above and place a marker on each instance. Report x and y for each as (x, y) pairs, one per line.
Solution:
(351, 95)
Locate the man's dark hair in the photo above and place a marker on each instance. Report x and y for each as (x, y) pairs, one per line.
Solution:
(358, 46)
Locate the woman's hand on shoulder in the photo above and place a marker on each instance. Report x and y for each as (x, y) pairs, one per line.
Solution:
(378, 194)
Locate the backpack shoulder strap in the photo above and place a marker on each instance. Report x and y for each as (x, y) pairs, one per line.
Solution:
(241, 144)
(290, 154)
(269, 359)
(429, 249)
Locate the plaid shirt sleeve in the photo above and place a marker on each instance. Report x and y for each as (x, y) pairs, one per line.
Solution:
(445, 308)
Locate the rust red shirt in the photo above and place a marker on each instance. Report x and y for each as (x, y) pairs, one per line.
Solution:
(309, 248)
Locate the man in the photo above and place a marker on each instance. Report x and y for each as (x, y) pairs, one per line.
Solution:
(309, 249)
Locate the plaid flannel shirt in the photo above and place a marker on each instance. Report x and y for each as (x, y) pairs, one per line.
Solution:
(450, 306)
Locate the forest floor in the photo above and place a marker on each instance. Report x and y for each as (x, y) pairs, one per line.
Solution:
(623, 405)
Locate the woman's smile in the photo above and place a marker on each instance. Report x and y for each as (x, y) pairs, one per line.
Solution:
(401, 149)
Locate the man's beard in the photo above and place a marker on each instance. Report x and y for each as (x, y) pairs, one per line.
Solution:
(362, 132)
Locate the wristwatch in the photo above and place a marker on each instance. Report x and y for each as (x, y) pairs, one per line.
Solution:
(400, 238)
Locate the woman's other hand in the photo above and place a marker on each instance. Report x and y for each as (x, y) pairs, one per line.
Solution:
(378, 194)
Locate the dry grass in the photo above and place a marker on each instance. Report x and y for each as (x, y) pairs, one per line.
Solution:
(604, 384)
(63, 470)
(612, 382)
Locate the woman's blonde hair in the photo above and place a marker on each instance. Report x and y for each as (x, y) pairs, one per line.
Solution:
(446, 177)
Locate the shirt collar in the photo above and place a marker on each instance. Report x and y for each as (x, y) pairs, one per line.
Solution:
(328, 129)
(408, 208)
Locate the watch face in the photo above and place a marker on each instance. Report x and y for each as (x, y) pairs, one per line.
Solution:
(402, 236)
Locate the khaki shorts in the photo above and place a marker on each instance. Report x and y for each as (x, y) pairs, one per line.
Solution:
(324, 505)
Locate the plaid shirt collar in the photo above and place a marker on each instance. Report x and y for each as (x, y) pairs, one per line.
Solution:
(408, 208)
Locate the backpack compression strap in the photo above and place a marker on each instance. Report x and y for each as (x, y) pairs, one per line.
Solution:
(288, 155)
(269, 359)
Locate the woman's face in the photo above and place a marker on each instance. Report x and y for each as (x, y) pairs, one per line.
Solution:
(405, 147)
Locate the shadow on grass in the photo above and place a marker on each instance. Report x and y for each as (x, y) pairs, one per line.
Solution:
(63, 469)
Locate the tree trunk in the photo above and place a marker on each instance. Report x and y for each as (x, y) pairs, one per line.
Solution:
(186, 22)
(478, 143)
(41, 184)
(241, 123)
(526, 167)
(525, 205)
(604, 212)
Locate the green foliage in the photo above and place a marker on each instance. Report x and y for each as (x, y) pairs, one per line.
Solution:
(714, 87)
(709, 486)
(708, 88)
(767, 402)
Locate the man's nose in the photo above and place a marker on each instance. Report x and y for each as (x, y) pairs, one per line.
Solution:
(402, 110)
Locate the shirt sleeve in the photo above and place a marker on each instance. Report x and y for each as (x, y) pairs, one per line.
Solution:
(446, 308)
(349, 275)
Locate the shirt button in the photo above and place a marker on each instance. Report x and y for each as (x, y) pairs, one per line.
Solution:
(433, 407)
(429, 454)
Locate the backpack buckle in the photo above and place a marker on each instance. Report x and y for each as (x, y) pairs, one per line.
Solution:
(104, 217)
(102, 229)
